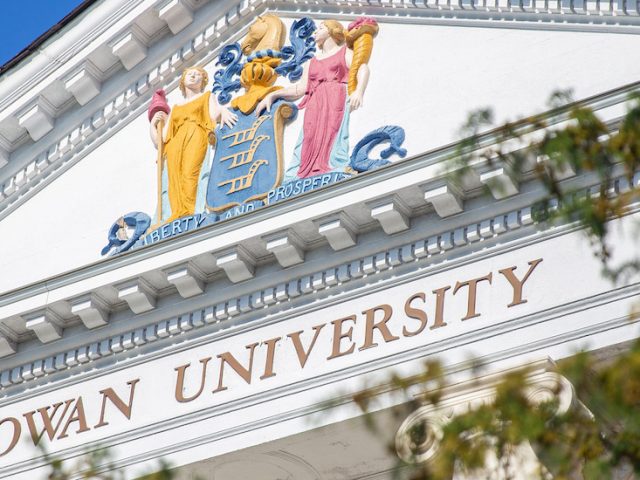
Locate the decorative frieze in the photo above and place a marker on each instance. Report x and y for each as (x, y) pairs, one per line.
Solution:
(239, 264)
(139, 294)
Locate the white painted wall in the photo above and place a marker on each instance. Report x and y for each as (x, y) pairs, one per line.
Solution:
(424, 78)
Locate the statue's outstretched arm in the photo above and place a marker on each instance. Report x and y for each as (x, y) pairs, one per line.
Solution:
(292, 92)
(221, 113)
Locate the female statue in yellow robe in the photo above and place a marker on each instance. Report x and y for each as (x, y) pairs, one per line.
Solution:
(186, 138)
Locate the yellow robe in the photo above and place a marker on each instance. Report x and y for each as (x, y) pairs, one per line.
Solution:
(185, 149)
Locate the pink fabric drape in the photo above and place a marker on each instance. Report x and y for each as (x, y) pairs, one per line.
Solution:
(324, 105)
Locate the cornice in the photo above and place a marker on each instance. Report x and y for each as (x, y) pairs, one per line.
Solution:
(24, 175)
(361, 275)
(410, 177)
(281, 294)
(570, 15)
(22, 79)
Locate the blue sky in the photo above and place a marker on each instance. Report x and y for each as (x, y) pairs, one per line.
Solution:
(21, 22)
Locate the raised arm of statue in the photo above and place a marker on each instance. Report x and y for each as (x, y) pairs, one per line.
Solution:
(158, 113)
(362, 73)
(359, 38)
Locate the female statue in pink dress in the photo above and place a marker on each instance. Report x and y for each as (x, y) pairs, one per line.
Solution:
(333, 85)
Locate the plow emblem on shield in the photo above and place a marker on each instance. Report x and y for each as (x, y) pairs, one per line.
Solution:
(248, 158)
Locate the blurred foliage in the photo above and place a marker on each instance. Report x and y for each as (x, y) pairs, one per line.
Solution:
(570, 138)
(97, 465)
(599, 436)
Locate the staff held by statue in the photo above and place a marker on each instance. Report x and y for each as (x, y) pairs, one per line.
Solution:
(159, 104)
(185, 139)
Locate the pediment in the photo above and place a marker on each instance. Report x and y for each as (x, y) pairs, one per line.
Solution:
(429, 70)
(385, 260)
(430, 67)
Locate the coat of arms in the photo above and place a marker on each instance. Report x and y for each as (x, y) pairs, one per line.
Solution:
(248, 159)
(220, 152)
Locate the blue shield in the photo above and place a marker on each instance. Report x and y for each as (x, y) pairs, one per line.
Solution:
(248, 158)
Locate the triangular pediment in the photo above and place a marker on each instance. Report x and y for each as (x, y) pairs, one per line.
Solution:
(428, 71)
(308, 221)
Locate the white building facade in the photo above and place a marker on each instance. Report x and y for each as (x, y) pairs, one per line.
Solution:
(219, 348)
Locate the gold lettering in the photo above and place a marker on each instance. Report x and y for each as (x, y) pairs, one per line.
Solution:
(180, 381)
(416, 314)
(17, 430)
(381, 326)
(471, 300)
(268, 364)
(245, 373)
(77, 415)
(302, 355)
(339, 335)
(46, 420)
(439, 321)
(125, 408)
(518, 284)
